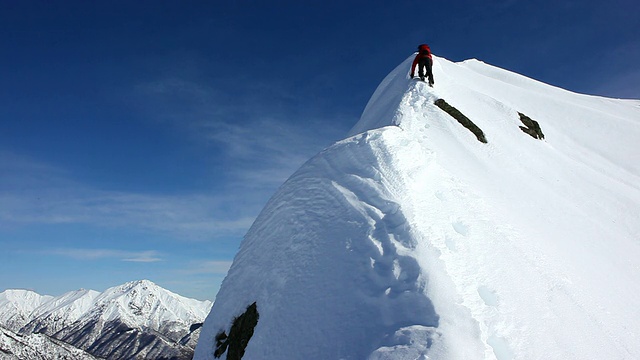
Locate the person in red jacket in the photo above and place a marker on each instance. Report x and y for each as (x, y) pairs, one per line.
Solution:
(425, 63)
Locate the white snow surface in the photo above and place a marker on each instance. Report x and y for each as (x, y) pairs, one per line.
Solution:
(410, 239)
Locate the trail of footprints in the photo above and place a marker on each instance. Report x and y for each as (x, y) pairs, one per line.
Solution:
(393, 271)
(461, 233)
(462, 229)
(457, 238)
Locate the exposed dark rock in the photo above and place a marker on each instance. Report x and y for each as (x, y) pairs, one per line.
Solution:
(222, 341)
(239, 335)
(531, 127)
(463, 120)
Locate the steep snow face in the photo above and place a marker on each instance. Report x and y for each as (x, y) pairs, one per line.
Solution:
(329, 262)
(413, 240)
(17, 307)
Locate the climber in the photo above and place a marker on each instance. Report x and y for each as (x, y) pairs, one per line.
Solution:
(425, 63)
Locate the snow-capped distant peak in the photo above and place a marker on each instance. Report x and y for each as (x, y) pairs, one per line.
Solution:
(137, 318)
(143, 302)
(79, 301)
(25, 298)
(17, 306)
(59, 312)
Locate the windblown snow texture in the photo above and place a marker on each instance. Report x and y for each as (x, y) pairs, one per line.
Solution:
(410, 239)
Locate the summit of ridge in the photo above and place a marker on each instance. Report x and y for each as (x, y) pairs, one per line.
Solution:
(412, 239)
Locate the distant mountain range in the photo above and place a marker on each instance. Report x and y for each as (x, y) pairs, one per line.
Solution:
(136, 320)
(37, 347)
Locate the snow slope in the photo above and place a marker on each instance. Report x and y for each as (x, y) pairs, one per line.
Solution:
(410, 239)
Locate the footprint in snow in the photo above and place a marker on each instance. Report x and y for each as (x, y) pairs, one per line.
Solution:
(488, 296)
(461, 228)
(451, 245)
(501, 348)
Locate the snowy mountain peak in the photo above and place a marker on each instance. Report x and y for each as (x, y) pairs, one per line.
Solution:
(413, 238)
(18, 305)
(61, 311)
(144, 303)
(24, 297)
(140, 284)
(137, 318)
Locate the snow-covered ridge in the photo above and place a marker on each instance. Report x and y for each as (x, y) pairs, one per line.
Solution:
(61, 311)
(410, 239)
(18, 306)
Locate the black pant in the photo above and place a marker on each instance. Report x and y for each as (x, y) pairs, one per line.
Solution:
(425, 64)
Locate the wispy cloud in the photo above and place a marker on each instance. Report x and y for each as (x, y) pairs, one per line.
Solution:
(260, 129)
(143, 257)
(95, 254)
(33, 193)
(267, 151)
(257, 144)
(218, 267)
(188, 217)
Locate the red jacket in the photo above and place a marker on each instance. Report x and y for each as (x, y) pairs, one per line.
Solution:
(423, 52)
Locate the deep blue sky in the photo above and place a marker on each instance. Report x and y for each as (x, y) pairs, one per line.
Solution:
(139, 139)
